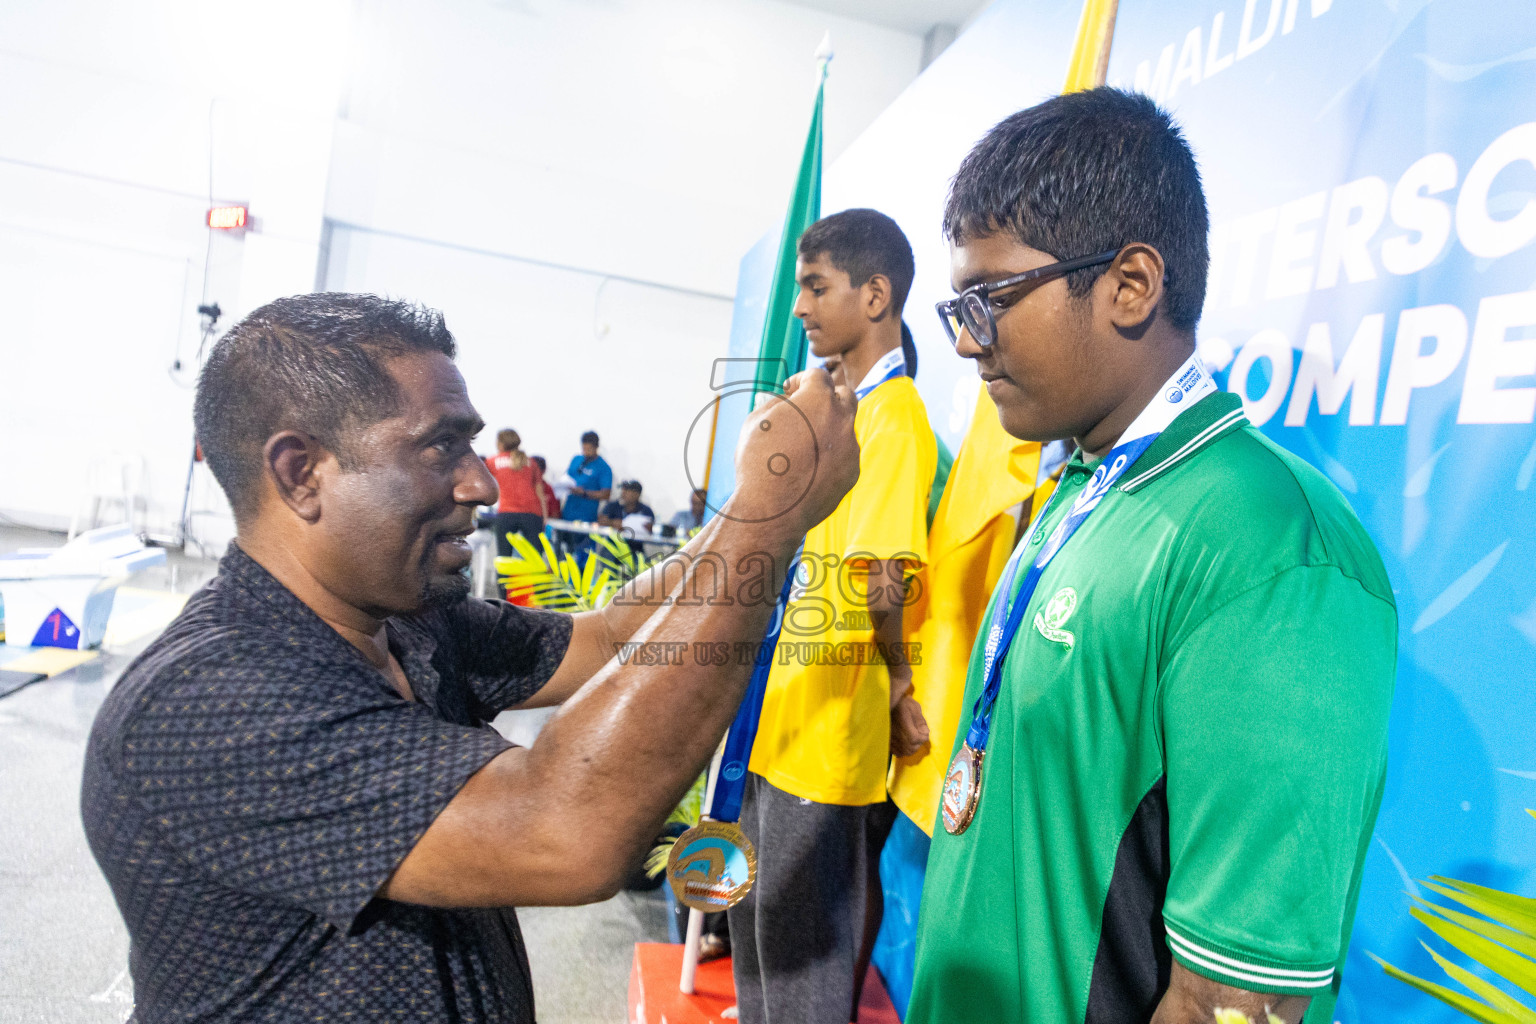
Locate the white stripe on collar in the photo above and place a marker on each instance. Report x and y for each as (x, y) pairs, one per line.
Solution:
(885, 366)
(1188, 385)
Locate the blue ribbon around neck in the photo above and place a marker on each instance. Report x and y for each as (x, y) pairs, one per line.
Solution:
(1000, 634)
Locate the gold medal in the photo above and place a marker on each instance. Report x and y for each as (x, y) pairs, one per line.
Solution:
(712, 866)
(962, 789)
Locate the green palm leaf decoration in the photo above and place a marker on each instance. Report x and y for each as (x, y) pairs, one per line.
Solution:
(547, 580)
(618, 559)
(1500, 935)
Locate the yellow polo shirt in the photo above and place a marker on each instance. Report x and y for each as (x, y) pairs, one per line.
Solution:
(825, 729)
(968, 546)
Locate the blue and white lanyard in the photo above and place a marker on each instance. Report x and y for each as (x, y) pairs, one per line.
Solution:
(732, 781)
(889, 366)
(1002, 628)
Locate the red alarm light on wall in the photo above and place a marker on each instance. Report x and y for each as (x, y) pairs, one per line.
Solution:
(226, 218)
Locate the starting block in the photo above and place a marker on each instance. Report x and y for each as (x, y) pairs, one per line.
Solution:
(62, 597)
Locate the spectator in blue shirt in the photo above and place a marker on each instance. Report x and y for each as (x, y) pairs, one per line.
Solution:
(592, 481)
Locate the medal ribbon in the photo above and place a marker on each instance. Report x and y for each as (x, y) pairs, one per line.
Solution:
(1001, 631)
(895, 366)
(732, 781)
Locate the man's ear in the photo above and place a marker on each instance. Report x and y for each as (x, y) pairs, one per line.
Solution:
(877, 296)
(1137, 278)
(291, 460)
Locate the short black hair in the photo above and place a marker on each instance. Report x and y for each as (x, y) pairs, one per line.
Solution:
(314, 363)
(1085, 173)
(538, 460)
(631, 485)
(590, 437)
(863, 243)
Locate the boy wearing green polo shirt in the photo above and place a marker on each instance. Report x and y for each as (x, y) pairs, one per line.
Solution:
(1162, 804)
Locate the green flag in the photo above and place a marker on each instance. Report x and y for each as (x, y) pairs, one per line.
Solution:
(782, 351)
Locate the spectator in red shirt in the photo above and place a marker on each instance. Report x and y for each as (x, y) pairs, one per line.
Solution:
(519, 510)
(546, 492)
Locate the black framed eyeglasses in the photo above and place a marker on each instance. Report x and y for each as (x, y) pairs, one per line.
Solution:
(971, 310)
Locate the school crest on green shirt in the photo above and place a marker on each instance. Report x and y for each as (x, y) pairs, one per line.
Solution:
(1057, 611)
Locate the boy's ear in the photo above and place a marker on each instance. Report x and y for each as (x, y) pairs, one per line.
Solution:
(877, 296)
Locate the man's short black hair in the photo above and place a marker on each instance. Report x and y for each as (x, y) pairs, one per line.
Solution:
(631, 485)
(863, 243)
(1085, 173)
(590, 437)
(314, 363)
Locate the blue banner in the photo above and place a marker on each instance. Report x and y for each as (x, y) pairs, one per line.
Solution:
(1371, 170)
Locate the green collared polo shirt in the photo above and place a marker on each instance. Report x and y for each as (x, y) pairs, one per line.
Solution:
(1187, 755)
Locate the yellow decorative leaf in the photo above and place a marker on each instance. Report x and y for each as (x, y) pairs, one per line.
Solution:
(1492, 994)
(1466, 1004)
(1506, 964)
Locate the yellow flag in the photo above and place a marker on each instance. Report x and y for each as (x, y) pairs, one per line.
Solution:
(1090, 54)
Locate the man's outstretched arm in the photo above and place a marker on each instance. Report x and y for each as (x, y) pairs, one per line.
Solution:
(564, 820)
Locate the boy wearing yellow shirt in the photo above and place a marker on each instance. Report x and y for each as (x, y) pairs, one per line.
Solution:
(838, 700)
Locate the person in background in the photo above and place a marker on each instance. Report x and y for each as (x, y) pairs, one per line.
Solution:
(547, 499)
(519, 509)
(686, 520)
(591, 481)
(616, 514)
(815, 802)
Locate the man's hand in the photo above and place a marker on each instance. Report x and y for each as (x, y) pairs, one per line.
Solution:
(1192, 999)
(797, 456)
(909, 729)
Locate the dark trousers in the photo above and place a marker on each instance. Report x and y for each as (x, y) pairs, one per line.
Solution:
(525, 523)
(801, 939)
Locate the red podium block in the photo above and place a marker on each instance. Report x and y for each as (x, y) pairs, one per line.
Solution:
(654, 998)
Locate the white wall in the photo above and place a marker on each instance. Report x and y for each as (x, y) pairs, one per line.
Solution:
(553, 353)
(113, 119)
(457, 149)
(573, 183)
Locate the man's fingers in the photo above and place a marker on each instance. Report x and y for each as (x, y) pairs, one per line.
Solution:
(812, 380)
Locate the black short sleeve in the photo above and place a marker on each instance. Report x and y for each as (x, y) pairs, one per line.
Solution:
(504, 654)
(305, 779)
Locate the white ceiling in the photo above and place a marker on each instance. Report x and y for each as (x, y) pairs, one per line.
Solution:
(916, 16)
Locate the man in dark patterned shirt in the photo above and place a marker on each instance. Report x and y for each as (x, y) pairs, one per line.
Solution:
(294, 793)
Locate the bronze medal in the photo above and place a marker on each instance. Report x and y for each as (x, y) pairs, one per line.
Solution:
(962, 789)
(712, 866)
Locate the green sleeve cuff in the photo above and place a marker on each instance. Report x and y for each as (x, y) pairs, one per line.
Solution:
(1244, 970)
